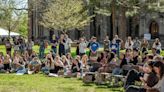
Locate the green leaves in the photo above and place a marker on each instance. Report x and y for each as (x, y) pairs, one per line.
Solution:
(65, 15)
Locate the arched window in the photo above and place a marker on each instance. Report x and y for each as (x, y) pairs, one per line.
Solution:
(154, 29)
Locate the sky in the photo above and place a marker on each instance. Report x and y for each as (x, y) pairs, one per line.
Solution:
(21, 3)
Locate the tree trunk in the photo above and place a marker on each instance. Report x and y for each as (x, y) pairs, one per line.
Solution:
(30, 19)
(9, 33)
(122, 24)
(113, 18)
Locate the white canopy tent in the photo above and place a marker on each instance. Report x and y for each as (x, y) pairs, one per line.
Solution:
(4, 33)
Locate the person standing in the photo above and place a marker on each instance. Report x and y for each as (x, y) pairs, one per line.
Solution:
(94, 46)
(62, 45)
(54, 44)
(82, 47)
(116, 45)
(42, 48)
(30, 45)
(16, 45)
(68, 42)
(106, 43)
(8, 46)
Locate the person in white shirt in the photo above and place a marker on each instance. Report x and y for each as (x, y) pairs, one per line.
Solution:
(157, 45)
(82, 47)
(129, 43)
(67, 44)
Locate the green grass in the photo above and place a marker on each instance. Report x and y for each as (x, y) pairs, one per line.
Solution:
(41, 83)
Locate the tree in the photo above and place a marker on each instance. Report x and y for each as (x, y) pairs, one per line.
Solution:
(65, 15)
(10, 16)
(23, 26)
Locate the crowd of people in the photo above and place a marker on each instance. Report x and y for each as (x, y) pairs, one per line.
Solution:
(150, 70)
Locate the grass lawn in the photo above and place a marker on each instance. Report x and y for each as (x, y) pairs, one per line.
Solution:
(41, 83)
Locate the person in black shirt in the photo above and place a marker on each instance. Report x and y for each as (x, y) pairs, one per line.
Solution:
(61, 45)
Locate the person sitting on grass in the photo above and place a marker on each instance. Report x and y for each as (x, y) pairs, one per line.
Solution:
(66, 63)
(122, 61)
(159, 70)
(136, 58)
(1, 62)
(32, 55)
(34, 66)
(76, 66)
(157, 45)
(148, 79)
(129, 43)
(84, 62)
(7, 61)
(106, 67)
(69, 58)
(18, 64)
(144, 45)
(49, 64)
(26, 57)
(58, 64)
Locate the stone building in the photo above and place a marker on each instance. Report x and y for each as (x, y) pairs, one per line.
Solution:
(137, 26)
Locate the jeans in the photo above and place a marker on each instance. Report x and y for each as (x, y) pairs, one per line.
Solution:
(21, 70)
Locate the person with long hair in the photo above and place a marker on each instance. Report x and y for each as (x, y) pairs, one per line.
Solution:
(8, 46)
(69, 58)
(7, 61)
(82, 47)
(129, 43)
(144, 45)
(159, 70)
(148, 79)
(34, 66)
(62, 45)
(58, 64)
(157, 45)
